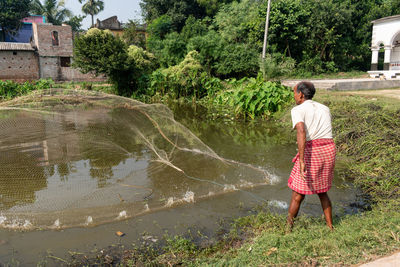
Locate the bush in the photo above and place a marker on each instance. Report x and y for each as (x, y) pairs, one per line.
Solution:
(187, 79)
(102, 53)
(277, 65)
(252, 97)
(10, 89)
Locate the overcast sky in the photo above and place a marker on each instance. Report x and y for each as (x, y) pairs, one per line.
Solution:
(124, 9)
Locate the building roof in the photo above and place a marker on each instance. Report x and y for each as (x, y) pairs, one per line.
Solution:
(396, 17)
(16, 46)
(111, 23)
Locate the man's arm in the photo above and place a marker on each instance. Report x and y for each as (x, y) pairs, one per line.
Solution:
(301, 144)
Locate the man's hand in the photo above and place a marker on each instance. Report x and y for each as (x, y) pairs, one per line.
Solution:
(303, 170)
(301, 144)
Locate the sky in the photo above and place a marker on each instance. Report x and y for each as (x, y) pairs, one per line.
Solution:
(124, 9)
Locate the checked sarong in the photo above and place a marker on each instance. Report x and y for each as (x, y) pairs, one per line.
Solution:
(319, 157)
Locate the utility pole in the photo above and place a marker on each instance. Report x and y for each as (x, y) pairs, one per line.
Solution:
(266, 31)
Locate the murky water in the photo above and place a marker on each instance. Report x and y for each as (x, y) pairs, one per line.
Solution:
(81, 175)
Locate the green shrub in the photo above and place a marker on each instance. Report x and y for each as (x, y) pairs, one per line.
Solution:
(10, 89)
(277, 65)
(252, 97)
(187, 79)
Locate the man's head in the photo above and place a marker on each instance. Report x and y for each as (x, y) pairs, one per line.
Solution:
(303, 91)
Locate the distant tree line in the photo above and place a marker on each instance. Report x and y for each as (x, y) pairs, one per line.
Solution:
(318, 36)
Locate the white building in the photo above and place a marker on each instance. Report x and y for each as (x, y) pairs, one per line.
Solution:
(386, 44)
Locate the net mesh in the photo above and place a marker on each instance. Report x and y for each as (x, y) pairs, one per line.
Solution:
(71, 158)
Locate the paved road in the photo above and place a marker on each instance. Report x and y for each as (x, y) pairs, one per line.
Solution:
(390, 261)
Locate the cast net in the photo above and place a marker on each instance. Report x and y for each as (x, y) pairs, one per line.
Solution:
(74, 158)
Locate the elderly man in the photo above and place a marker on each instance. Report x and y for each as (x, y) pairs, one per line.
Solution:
(315, 161)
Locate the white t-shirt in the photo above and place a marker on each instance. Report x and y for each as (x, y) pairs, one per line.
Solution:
(316, 118)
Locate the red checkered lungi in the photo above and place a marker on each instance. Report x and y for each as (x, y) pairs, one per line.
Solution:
(319, 156)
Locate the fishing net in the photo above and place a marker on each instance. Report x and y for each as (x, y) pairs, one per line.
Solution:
(73, 158)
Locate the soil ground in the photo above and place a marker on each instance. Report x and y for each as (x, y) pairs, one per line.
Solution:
(391, 93)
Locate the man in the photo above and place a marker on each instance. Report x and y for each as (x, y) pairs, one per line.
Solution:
(315, 161)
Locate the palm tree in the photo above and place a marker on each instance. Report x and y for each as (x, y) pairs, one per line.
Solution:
(53, 10)
(92, 7)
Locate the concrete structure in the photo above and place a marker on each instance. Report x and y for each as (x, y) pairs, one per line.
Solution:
(112, 24)
(390, 261)
(349, 84)
(18, 62)
(386, 39)
(48, 55)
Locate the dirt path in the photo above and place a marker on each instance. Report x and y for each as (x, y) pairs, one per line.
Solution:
(391, 93)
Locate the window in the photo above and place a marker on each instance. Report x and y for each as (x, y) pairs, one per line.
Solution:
(65, 62)
(14, 53)
(54, 38)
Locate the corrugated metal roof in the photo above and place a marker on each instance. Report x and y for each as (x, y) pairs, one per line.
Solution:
(16, 46)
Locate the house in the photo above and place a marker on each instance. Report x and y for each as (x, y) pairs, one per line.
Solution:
(112, 24)
(47, 55)
(386, 48)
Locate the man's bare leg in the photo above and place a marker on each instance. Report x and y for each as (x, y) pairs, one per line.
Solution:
(294, 207)
(327, 208)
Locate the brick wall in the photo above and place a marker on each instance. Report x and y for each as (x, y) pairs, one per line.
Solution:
(22, 66)
(44, 42)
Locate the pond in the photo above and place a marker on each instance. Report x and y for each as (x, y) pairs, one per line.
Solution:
(74, 173)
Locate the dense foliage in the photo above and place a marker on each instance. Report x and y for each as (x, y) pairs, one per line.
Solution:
(102, 53)
(10, 89)
(11, 13)
(54, 10)
(187, 79)
(319, 36)
(252, 97)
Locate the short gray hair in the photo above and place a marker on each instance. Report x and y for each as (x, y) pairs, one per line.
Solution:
(307, 88)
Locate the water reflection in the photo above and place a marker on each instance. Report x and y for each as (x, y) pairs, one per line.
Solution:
(99, 161)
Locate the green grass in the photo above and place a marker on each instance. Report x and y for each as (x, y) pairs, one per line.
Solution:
(356, 239)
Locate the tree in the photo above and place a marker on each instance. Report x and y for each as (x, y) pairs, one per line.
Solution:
(76, 23)
(102, 53)
(131, 36)
(54, 11)
(212, 6)
(177, 10)
(11, 13)
(92, 7)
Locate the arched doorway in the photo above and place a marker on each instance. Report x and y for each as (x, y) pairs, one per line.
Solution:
(395, 55)
(381, 57)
